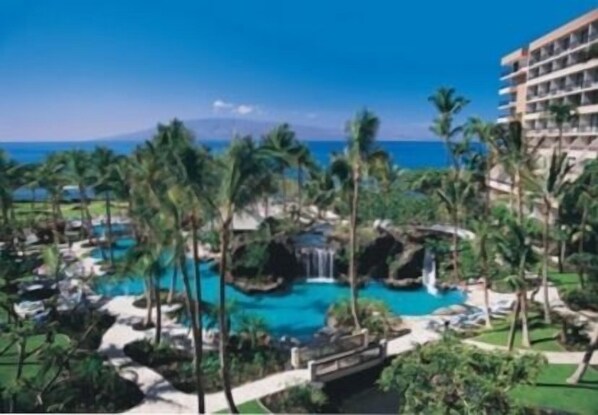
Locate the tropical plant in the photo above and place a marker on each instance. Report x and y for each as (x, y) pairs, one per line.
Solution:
(78, 170)
(515, 249)
(282, 147)
(449, 377)
(448, 105)
(241, 169)
(104, 161)
(548, 185)
(561, 114)
(361, 154)
(453, 194)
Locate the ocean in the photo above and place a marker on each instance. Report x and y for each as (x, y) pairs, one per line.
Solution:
(405, 154)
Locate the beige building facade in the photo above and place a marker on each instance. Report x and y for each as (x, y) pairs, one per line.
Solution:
(559, 67)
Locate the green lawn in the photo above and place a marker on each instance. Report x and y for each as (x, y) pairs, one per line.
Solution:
(551, 391)
(8, 360)
(69, 210)
(541, 335)
(566, 281)
(251, 407)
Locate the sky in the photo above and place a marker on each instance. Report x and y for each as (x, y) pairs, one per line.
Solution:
(84, 69)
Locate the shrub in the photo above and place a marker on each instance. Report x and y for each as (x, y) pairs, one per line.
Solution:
(375, 316)
(450, 377)
(298, 400)
(579, 299)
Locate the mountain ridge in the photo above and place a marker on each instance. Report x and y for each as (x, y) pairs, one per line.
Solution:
(225, 128)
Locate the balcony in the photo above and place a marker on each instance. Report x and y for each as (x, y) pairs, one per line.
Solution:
(505, 103)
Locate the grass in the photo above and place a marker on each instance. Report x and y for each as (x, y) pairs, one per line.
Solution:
(251, 407)
(69, 210)
(542, 336)
(551, 391)
(564, 282)
(8, 360)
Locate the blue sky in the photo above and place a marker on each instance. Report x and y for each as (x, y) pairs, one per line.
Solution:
(80, 69)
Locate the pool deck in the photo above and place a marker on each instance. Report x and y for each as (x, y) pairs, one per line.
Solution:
(161, 396)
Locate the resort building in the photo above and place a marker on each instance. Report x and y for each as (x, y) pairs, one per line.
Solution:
(559, 67)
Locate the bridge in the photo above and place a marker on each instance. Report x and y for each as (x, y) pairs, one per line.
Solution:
(348, 355)
(450, 230)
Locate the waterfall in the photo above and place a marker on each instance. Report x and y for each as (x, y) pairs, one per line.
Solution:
(318, 264)
(429, 272)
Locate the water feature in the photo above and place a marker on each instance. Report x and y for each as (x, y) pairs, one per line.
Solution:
(297, 312)
(429, 272)
(318, 264)
(315, 254)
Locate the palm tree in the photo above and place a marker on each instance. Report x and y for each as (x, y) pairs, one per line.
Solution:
(448, 105)
(10, 175)
(361, 152)
(282, 146)
(481, 247)
(515, 249)
(587, 358)
(584, 194)
(488, 135)
(78, 171)
(240, 171)
(561, 114)
(193, 173)
(303, 160)
(104, 161)
(453, 193)
(53, 179)
(549, 185)
(519, 160)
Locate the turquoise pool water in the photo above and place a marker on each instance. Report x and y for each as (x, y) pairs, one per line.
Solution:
(298, 312)
(120, 248)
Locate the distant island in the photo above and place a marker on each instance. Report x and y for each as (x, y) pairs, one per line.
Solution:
(224, 128)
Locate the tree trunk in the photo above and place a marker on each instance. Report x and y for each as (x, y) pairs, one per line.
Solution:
(172, 289)
(525, 340)
(513, 328)
(584, 218)
(560, 143)
(547, 318)
(352, 249)
(85, 211)
(519, 197)
(587, 358)
(283, 189)
(222, 317)
(562, 252)
(20, 364)
(198, 327)
(487, 302)
(149, 298)
(299, 193)
(109, 226)
(455, 253)
(158, 337)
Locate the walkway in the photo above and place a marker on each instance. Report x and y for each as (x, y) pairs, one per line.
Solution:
(558, 358)
(161, 396)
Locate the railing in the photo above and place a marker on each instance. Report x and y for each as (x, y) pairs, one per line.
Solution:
(504, 102)
(341, 365)
(300, 356)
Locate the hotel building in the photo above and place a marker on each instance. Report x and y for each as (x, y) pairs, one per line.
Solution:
(559, 67)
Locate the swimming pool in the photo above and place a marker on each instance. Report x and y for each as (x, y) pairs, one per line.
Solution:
(298, 312)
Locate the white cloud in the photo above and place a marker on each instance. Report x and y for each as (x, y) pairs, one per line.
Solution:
(244, 109)
(220, 106)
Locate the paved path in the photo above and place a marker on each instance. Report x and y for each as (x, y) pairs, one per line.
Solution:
(558, 358)
(161, 396)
